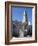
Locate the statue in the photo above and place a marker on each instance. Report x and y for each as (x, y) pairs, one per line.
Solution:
(24, 23)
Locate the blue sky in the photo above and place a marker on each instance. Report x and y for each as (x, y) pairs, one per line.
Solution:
(17, 13)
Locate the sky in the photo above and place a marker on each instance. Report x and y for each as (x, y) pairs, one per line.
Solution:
(18, 12)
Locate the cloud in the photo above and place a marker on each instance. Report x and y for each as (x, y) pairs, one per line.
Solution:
(23, 20)
(29, 23)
